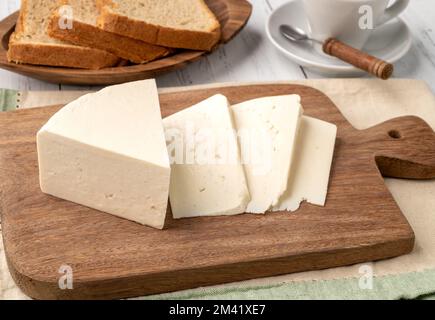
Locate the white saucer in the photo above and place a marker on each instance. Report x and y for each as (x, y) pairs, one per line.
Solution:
(389, 42)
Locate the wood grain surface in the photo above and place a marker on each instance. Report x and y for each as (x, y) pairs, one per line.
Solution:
(362, 60)
(115, 258)
(232, 14)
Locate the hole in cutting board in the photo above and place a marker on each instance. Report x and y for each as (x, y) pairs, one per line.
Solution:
(394, 134)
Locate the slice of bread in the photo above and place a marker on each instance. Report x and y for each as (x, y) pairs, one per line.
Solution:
(31, 44)
(84, 32)
(187, 24)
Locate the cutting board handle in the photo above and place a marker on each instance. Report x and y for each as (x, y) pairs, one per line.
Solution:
(403, 148)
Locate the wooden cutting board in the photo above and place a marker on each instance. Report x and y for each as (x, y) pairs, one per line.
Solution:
(115, 258)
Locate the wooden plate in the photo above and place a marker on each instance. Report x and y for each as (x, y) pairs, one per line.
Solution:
(114, 258)
(232, 14)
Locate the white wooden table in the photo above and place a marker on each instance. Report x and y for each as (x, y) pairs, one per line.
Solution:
(251, 57)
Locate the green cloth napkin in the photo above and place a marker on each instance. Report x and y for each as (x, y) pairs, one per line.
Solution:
(8, 99)
(414, 285)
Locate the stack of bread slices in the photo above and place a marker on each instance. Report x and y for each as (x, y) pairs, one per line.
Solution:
(94, 34)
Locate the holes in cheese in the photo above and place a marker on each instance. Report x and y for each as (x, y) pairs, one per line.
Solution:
(267, 130)
(312, 164)
(207, 177)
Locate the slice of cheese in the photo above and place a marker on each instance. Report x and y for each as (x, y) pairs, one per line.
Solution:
(267, 130)
(312, 165)
(207, 176)
(107, 151)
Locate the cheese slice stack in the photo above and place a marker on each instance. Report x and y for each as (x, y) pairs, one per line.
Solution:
(107, 151)
(286, 157)
(312, 165)
(207, 176)
(267, 129)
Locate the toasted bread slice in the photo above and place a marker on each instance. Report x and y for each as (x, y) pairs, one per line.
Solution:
(187, 24)
(84, 32)
(31, 44)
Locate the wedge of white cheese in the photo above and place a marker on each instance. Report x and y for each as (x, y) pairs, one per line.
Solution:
(312, 165)
(267, 129)
(207, 176)
(107, 151)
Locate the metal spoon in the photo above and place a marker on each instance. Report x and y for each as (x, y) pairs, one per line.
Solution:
(295, 34)
(344, 52)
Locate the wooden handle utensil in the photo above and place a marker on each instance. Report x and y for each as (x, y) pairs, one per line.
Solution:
(359, 59)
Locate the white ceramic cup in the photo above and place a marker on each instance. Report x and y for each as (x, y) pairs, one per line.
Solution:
(351, 21)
